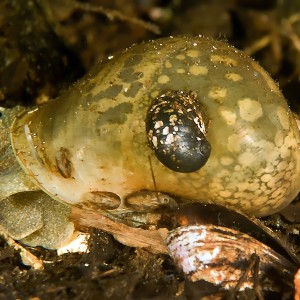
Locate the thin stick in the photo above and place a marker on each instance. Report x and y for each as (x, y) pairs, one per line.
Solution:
(152, 240)
(153, 177)
(28, 258)
(114, 14)
(253, 267)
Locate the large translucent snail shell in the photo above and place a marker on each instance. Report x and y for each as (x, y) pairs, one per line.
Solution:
(93, 138)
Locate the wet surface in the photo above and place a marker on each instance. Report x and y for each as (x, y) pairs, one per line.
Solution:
(75, 39)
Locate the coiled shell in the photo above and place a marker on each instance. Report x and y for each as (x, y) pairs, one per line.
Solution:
(176, 131)
(220, 255)
(219, 245)
(94, 138)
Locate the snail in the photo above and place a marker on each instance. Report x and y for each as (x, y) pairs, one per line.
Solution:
(211, 121)
(215, 244)
(176, 131)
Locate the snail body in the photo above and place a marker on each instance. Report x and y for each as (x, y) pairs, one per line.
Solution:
(97, 138)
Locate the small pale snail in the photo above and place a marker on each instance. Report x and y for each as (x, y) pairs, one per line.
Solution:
(91, 146)
(94, 138)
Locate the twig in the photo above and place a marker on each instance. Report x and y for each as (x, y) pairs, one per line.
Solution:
(114, 14)
(287, 30)
(152, 240)
(27, 258)
(254, 267)
(258, 45)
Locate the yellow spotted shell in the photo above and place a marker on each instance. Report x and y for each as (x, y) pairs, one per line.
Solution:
(92, 140)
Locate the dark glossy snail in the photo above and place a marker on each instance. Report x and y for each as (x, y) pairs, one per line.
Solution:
(176, 129)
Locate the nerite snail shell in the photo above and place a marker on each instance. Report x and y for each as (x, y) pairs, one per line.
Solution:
(221, 255)
(93, 139)
(215, 244)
